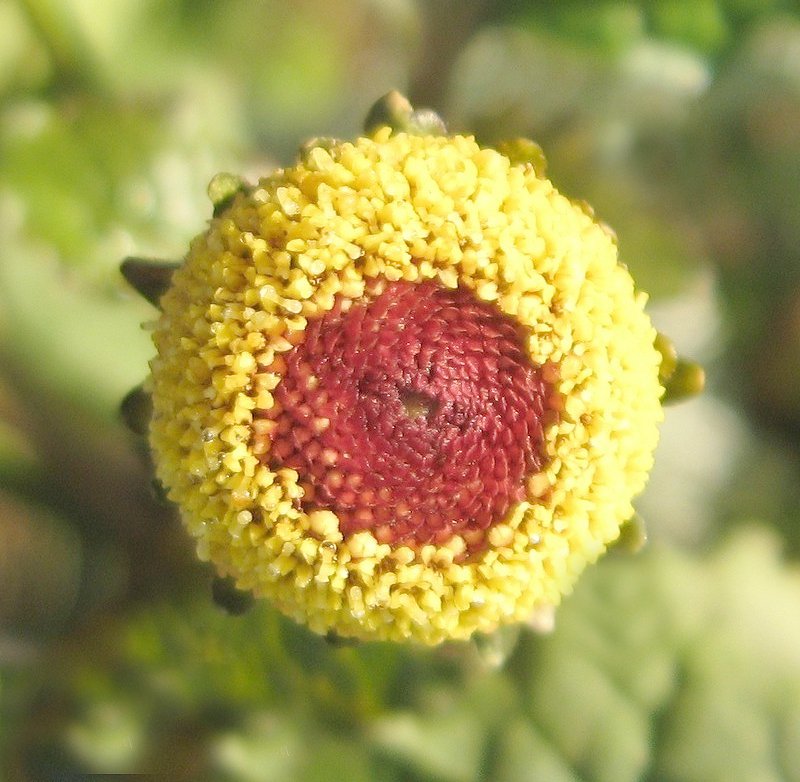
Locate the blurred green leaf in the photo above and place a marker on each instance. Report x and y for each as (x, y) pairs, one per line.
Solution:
(18, 456)
(68, 164)
(523, 753)
(35, 602)
(674, 119)
(81, 343)
(269, 749)
(663, 666)
(109, 736)
(443, 746)
(23, 63)
(630, 686)
(699, 24)
(330, 757)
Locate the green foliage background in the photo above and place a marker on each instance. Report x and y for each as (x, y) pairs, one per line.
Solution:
(678, 120)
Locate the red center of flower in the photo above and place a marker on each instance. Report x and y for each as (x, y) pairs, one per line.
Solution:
(414, 413)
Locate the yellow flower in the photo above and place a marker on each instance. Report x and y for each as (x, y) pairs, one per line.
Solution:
(404, 389)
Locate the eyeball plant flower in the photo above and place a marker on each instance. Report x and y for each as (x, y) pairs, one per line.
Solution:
(403, 388)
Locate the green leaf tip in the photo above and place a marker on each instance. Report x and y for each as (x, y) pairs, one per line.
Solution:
(222, 189)
(136, 409)
(523, 151)
(395, 110)
(149, 277)
(681, 378)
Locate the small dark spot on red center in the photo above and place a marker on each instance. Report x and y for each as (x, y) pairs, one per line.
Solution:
(414, 413)
(416, 404)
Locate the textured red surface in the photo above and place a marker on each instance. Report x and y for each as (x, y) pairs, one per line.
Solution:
(414, 413)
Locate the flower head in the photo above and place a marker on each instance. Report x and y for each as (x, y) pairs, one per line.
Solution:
(404, 389)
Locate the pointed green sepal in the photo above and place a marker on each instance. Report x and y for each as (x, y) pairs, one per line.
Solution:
(222, 189)
(336, 640)
(687, 380)
(150, 278)
(230, 599)
(159, 493)
(395, 110)
(523, 151)
(493, 649)
(324, 142)
(669, 356)
(542, 621)
(136, 409)
(632, 536)
(681, 378)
